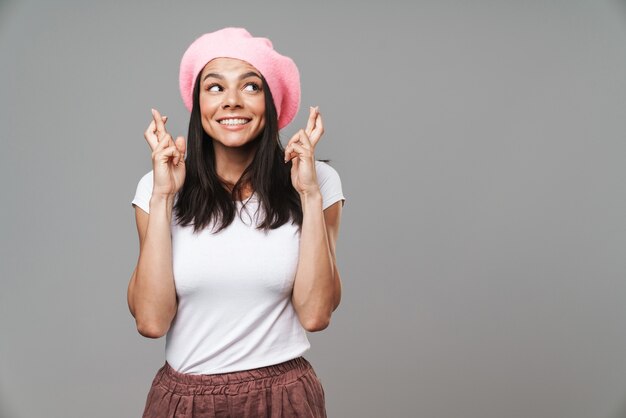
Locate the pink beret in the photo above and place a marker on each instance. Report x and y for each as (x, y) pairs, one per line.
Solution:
(279, 71)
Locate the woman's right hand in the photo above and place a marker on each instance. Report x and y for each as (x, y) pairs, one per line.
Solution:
(168, 157)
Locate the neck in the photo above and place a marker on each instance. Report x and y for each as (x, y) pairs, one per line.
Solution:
(231, 162)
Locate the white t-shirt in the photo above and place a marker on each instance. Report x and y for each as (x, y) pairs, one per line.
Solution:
(234, 289)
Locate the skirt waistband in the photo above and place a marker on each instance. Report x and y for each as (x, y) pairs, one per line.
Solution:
(231, 383)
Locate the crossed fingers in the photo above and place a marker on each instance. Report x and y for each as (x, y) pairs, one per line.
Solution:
(156, 130)
(314, 127)
(304, 141)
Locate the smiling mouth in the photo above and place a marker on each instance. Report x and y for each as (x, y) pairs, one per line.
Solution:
(233, 121)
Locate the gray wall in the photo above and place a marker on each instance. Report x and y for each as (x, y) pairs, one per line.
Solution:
(481, 147)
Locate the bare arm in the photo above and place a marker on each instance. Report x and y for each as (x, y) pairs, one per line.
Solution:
(151, 291)
(332, 219)
(317, 287)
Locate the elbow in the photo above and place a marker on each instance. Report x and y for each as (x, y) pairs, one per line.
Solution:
(316, 323)
(151, 330)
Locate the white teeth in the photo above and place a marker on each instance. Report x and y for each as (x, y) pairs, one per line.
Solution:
(233, 121)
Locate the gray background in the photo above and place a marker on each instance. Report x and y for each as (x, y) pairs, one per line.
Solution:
(481, 147)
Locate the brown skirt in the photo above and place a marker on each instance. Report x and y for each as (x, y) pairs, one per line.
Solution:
(289, 389)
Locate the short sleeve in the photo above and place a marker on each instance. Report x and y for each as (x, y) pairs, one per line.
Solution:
(144, 192)
(330, 184)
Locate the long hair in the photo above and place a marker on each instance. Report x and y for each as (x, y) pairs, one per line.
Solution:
(204, 200)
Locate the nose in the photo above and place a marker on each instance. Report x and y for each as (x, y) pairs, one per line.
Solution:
(232, 99)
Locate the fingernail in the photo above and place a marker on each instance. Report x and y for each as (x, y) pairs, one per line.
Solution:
(152, 112)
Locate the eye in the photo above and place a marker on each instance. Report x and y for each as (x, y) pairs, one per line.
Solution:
(214, 87)
(252, 87)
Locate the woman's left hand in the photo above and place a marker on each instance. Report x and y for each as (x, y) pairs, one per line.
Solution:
(301, 151)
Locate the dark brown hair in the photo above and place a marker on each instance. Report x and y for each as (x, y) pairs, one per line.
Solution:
(204, 200)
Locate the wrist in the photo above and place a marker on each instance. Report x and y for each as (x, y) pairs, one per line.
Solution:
(313, 197)
(161, 201)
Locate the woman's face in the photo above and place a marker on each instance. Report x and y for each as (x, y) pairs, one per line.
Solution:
(232, 102)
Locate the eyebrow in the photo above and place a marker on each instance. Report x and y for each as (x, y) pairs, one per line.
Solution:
(241, 77)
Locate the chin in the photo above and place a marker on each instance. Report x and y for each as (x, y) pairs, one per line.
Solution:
(237, 142)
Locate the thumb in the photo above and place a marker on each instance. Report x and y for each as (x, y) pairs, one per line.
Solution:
(181, 145)
(295, 164)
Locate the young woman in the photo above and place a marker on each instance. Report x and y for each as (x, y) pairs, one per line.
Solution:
(237, 239)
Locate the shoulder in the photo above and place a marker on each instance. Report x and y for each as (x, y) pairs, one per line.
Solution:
(325, 172)
(147, 178)
(146, 183)
(144, 192)
(330, 183)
